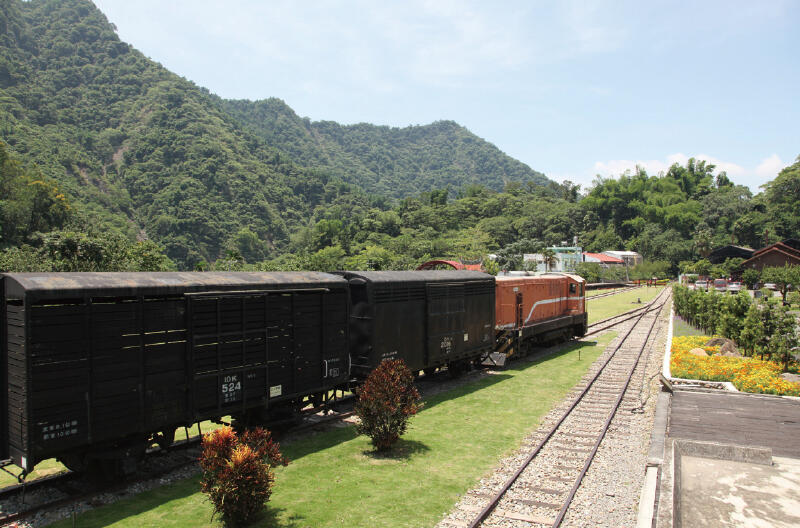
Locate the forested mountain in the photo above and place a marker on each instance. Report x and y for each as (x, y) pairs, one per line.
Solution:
(109, 161)
(672, 218)
(140, 150)
(395, 162)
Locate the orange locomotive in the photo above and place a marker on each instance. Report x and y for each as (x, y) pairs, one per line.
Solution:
(530, 310)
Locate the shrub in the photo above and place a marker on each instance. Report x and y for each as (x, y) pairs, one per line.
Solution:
(386, 400)
(237, 472)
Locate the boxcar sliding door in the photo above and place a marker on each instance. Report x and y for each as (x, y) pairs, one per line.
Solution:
(446, 334)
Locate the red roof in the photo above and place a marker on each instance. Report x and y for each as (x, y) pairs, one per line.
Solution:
(604, 259)
(452, 263)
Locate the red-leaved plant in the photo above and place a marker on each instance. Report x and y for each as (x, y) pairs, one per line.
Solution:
(237, 471)
(386, 400)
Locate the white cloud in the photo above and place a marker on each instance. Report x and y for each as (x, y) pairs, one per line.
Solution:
(380, 46)
(769, 168)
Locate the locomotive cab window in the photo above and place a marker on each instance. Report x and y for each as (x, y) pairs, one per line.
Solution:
(572, 288)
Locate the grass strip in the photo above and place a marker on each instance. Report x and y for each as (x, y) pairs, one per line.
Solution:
(336, 480)
(613, 305)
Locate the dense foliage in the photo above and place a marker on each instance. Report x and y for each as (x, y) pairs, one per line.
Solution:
(395, 162)
(386, 400)
(237, 471)
(712, 312)
(145, 152)
(763, 327)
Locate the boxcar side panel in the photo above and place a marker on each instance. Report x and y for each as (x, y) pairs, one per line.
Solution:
(399, 324)
(446, 327)
(479, 323)
(17, 381)
(255, 349)
(3, 372)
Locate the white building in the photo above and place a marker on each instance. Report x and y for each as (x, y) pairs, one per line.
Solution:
(631, 258)
(566, 259)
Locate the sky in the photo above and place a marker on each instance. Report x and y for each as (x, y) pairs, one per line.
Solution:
(573, 89)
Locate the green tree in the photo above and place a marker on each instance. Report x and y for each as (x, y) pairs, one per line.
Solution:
(549, 258)
(703, 267)
(783, 277)
(330, 258)
(751, 277)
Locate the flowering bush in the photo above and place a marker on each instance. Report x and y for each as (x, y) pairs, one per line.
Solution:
(386, 400)
(237, 472)
(746, 374)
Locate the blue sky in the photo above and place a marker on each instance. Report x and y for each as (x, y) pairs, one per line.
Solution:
(573, 89)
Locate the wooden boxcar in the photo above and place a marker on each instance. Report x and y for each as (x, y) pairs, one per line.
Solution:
(539, 308)
(96, 363)
(427, 318)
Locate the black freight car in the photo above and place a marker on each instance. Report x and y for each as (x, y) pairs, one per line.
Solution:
(98, 363)
(427, 318)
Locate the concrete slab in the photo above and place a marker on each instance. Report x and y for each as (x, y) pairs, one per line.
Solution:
(739, 419)
(725, 493)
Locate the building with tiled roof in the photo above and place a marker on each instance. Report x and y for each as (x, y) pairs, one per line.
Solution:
(602, 259)
(777, 254)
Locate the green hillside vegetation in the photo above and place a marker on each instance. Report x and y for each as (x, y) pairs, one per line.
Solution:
(671, 218)
(394, 162)
(103, 148)
(146, 153)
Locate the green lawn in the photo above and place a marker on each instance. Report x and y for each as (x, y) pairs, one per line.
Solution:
(592, 293)
(622, 302)
(335, 479)
(682, 328)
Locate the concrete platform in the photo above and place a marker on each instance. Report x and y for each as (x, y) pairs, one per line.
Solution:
(730, 459)
(738, 419)
(726, 493)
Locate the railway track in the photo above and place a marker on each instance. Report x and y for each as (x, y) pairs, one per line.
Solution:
(613, 292)
(610, 322)
(539, 491)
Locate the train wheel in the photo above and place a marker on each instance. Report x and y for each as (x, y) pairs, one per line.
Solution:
(165, 438)
(317, 399)
(74, 462)
(457, 368)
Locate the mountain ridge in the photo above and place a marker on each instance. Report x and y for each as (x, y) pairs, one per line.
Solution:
(144, 151)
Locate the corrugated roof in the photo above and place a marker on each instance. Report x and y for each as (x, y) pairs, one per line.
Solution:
(148, 283)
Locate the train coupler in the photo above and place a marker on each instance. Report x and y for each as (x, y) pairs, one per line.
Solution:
(495, 359)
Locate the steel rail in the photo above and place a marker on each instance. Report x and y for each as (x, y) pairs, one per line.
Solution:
(563, 512)
(630, 313)
(614, 292)
(489, 508)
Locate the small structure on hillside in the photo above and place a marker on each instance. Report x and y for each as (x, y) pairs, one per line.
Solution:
(720, 255)
(450, 264)
(605, 261)
(631, 258)
(777, 254)
(565, 259)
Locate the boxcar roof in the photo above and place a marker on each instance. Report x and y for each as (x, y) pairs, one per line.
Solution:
(55, 285)
(419, 276)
